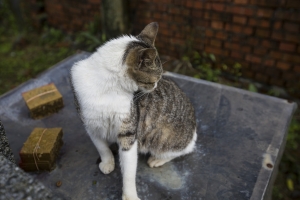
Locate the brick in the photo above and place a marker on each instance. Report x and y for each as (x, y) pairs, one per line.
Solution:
(247, 30)
(296, 58)
(202, 23)
(292, 38)
(166, 32)
(216, 43)
(209, 33)
(287, 15)
(266, 43)
(221, 35)
(293, 4)
(297, 69)
(292, 27)
(254, 59)
(166, 17)
(233, 28)
(234, 46)
(277, 25)
(185, 12)
(179, 19)
(246, 49)
(267, 3)
(174, 10)
(216, 51)
(264, 12)
(253, 41)
(269, 62)
(282, 65)
(287, 46)
(217, 24)
(276, 55)
(178, 34)
(157, 16)
(197, 14)
(190, 4)
(239, 19)
(237, 54)
(259, 22)
(260, 51)
(198, 5)
(218, 6)
(277, 35)
(291, 58)
(240, 1)
(240, 10)
(262, 33)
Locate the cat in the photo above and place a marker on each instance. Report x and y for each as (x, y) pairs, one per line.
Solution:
(121, 96)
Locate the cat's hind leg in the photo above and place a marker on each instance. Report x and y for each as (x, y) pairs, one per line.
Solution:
(157, 160)
(107, 163)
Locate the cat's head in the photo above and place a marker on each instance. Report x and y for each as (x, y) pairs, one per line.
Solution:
(141, 57)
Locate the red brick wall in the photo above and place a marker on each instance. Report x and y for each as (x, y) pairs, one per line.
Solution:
(262, 35)
(71, 15)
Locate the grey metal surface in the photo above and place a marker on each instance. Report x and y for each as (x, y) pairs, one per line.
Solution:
(241, 136)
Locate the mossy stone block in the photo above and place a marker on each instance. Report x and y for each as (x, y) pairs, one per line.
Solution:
(41, 148)
(43, 101)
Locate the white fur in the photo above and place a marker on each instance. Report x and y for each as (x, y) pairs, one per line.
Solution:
(104, 93)
(103, 89)
(128, 160)
(157, 160)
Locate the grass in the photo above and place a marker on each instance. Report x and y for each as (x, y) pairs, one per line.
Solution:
(23, 60)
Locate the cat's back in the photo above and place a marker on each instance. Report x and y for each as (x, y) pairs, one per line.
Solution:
(166, 113)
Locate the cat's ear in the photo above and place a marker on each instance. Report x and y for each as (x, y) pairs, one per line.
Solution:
(149, 33)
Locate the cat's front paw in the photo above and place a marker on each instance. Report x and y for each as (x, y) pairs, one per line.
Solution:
(128, 197)
(107, 167)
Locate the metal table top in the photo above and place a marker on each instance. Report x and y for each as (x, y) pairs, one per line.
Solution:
(241, 137)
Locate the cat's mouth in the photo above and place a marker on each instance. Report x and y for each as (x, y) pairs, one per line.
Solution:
(147, 86)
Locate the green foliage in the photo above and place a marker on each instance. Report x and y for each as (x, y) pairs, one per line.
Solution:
(7, 20)
(293, 137)
(252, 87)
(206, 67)
(51, 36)
(235, 70)
(91, 38)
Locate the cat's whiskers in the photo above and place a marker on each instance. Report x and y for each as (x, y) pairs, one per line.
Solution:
(137, 95)
(140, 96)
(165, 62)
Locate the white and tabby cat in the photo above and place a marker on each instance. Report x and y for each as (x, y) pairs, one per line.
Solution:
(122, 97)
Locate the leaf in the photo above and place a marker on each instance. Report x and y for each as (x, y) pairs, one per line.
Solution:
(212, 57)
(290, 184)
(196, 76)
(252, 88)
(185, 58)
